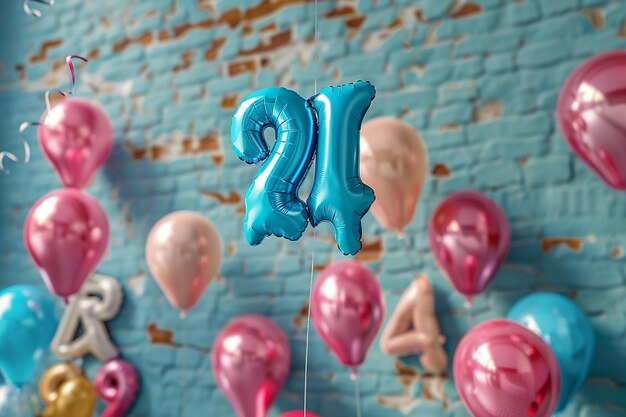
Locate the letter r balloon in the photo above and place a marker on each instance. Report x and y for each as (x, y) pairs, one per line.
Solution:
(338, 195)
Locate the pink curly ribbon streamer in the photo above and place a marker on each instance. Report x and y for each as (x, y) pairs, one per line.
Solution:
(34, 12)
(25, 125)
(70, 64)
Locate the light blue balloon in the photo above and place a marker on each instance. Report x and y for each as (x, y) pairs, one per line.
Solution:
(567, 329)
(272, 203)
(28, 322)
(338, 195)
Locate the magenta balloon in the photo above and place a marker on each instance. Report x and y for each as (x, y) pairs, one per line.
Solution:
(77, 137)
(592, 115)
(299, 413)
(502, 369)
(251, 359)
(117, 383)
(469, 238)
(347, 309)
(66, 234)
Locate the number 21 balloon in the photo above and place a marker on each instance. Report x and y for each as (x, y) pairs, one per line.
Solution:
(338, 195)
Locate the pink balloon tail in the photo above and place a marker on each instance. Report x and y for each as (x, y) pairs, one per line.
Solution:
(611, 166)
(401, 234)
(11, 155)
(354, 373)
(184, 314)
(468, 302)
(471, 266)
(34, 12)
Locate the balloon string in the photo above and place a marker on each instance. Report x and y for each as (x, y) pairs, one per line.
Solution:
(70, 64)
(315, 51)
(183, 317)
(34, 12)
(308, 325)
(10, 155)
(357, 394)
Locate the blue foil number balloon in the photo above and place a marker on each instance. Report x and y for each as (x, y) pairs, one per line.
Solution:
(28, 322)
(272, 202)
(568, 331)
(338, 195)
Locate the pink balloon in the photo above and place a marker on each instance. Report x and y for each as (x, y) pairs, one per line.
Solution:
(184, 253)
(77, 137)
(394, 162)
(502, 369)
(251, 360)
(117, 383)
(592, 115)
(347, 309)
(299, 413)
(469, 237)
(66, 234)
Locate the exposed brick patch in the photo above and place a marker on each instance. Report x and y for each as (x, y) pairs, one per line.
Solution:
(617, 253)
(94, 54)
(230, 101)
(42, 55)
(159, 336)
(596, 17)
(373, 250)
(232, 17)
(300, 319)
(236, 68)
(233, 198)
(187, 58)
(277, 41)
(145, 39)
(355, 23)
(441, 170)
(341, 11)
(272, 27)
(214, 50)
(491, 110)
(466, 10)
(573, 244)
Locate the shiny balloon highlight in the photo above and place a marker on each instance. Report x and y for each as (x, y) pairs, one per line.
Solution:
(394, 162)
(28, 321)
(592, 116)
(251, 360)
(184, 254)
(503, 369)
(66, 234)
(568, 331)
(469, 238)
(347, 310)
(117, 383)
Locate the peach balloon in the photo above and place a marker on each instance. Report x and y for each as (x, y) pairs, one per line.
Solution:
(394, 162)
(184, 253)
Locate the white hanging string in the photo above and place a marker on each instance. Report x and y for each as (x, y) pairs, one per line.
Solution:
(308, 316)
(357, 394)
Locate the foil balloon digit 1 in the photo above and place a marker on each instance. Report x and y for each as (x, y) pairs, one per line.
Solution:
(568, 331)
(27, 324)
(469, 238)
(76, 136)
(592, 116)
(100, 299)
(66, 234)
(251, 360)
(117, 383)
(347, 310)
(66, 392)
(338, 195)
(503, 369)
(184, 253)
(394, 162)
(272, 202)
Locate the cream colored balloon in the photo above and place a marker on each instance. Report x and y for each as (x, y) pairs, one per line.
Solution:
(394, 162)
(184, 254)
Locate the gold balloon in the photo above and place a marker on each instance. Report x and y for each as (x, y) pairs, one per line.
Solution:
(77, 398)
(66, 392)
(54, 378)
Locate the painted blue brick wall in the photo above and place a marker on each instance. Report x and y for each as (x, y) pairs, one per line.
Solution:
(479, 78)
